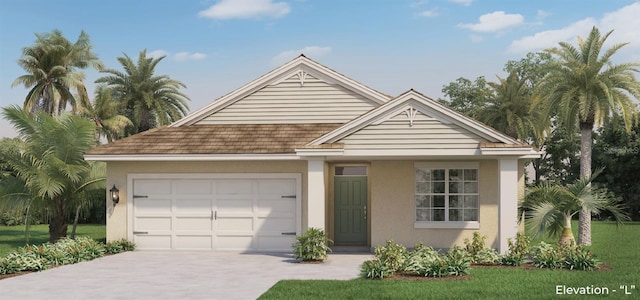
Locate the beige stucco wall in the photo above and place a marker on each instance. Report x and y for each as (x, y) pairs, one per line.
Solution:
(393, 214)
(117, 174)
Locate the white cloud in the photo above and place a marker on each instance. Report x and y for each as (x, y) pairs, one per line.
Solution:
(541, 14)
(495, 21)
(429, 13)
(463, 2)
(550, 38)
(158, 53)
(625, 21)
(181, 56)
(476, 38)
(314, 52)
(245, 9)
(418, 3)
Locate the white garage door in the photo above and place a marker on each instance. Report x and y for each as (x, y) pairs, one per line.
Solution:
(216, 212)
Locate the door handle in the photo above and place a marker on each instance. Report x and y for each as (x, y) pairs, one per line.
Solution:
(288, 233)
(214, 215)
(365, 212)
(140, 232)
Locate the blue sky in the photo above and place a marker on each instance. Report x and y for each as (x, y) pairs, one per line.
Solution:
(217, 46)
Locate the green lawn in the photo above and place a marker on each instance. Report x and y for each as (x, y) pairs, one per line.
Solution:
(12, 237)
(618, 248)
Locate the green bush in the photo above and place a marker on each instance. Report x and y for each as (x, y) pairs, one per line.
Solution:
(580, 258)
(393, 255)
(476, 245)
(20, 261)
(518, 250)
(545, 255)
(118, 246)
(375, 269)
(422, 261)
(65, 251)
(487, 256)
(312, 245)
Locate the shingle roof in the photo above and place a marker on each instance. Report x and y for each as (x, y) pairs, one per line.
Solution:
(217, 139)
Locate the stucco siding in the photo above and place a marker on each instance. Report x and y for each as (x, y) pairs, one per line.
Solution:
(293, 101)
(424, 133)
(393, 207)
(117, 174)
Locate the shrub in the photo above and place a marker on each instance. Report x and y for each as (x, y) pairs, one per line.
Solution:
(118, 246)
(392, 255)
(375, 269)
(476, 245)
(546, 256)
(20, 261)
(420, 260)
(458, 261)
(487, 256)
(518, 250)
(312, 245)
(580, 258)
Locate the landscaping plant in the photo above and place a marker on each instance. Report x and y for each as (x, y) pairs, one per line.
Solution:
(312, 245)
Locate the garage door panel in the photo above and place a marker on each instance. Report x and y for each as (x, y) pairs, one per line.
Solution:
(276, 186)
(193, 242)
(153, 242)
(233, 186)
(235, 206)
(146, 206)
(152, 186)
(244, 225)
(198, 205)
(193, 224)
(287, 206)
(151, 223)
(278, 225)
(188, 187)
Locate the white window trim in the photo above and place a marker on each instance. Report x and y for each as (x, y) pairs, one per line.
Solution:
(447, 224)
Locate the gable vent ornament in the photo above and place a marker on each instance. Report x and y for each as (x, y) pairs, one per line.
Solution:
(411, 114)
(302, 75)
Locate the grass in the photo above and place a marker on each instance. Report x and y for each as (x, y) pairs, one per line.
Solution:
(617, 248)
(12, 237)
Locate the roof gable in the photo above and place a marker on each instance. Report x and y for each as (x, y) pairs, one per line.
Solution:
(414, 106)
(299, 71)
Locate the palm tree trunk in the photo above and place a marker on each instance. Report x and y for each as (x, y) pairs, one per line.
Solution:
(584, 229)
(58, 224)
(75, 223)
(567, 239)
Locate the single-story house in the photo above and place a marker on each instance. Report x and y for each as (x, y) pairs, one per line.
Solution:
(305, 146)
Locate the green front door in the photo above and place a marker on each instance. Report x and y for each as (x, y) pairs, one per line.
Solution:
(350, 210)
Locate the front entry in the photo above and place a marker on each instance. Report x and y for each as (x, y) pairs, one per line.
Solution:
(350, 207)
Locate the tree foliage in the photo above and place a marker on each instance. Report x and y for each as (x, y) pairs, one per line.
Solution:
(619, 150)
(467, 97)
(149, 100)
(49, 170)
(52, 64)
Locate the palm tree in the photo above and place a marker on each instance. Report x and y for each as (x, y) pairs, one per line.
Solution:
(104, 112)
(150, 100)
(550, 207)
(584, 88)
(509, 110)
(49, 168)
(52, 63)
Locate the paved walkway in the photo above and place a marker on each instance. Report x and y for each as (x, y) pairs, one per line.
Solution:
(175, 275)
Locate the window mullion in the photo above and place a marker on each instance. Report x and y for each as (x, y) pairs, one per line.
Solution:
(446, 195)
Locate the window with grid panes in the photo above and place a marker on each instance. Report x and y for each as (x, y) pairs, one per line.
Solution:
(446, 194)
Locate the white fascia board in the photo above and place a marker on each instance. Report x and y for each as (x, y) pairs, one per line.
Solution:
(320, 152)
(530, 153)
(192, 157)
(275, 75)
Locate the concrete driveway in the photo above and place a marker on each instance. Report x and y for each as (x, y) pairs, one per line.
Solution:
(175, 275)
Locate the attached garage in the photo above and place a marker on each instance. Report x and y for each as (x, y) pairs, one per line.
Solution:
(241, 212)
